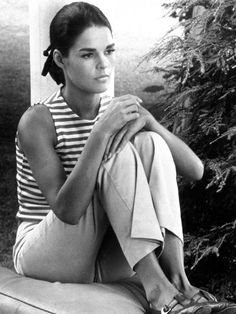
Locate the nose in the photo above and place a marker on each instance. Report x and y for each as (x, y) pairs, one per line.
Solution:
(103, 62)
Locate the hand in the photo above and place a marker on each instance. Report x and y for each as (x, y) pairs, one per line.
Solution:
(120, 111)
(130, 129)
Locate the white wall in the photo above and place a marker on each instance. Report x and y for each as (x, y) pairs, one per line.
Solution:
(136, 26)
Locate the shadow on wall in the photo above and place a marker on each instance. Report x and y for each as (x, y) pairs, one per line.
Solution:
(136, 27)
(132, 42)
(14, 65)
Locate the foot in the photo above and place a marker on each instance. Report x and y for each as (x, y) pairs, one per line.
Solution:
(222, 307)
(160, 296)
(192, 293)
(203, 296)
(198, 295)
(189, 291)
(180, 305)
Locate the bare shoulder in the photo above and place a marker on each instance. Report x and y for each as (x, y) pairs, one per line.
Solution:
(35, 124)
(37, 115)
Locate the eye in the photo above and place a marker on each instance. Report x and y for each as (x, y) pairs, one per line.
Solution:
(87, 55)
(110, 51)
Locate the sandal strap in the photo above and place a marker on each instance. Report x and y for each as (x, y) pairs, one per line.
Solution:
(203, 294)
(208, 296)
(185, 303)
(178, 299)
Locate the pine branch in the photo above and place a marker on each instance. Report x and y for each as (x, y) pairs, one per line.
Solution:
(200, 247)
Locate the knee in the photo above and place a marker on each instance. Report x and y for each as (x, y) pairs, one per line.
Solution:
(121, 162)
(125, 156)
(152, 145)
(118, 167)
(149, 140)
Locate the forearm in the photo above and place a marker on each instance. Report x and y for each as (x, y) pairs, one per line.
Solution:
(187, 162)
(76, 193)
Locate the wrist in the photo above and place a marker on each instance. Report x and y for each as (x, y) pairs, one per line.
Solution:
(100, 133)
(150, 122)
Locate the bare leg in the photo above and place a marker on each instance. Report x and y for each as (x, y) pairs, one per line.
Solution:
(159, 290)
(125, 200)
(172, 263)
(160, 172)
(138, 205)
(164, 278)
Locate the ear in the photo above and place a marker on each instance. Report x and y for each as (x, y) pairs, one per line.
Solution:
(58, 59)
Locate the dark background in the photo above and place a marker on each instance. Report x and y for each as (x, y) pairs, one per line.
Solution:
(14, 99)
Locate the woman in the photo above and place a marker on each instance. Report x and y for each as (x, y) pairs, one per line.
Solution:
(86, 164)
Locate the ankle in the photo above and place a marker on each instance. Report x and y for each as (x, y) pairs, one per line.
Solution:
(157, 287)
(161, 296)
(182, 284)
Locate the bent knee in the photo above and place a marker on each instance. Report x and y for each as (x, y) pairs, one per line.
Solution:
(150, 140)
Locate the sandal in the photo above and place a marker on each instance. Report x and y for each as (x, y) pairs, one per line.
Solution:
(222, 307)
(188, 307)
(202, 294)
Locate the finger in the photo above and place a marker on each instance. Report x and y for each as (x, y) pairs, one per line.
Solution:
(131, 116)
(132, 108)
(129, 96)
(117, 141)
(125, 103)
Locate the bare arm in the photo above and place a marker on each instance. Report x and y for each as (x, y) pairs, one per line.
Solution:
(69, 197)
(186, 161)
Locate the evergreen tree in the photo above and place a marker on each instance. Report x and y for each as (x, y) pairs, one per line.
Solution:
(199, 101)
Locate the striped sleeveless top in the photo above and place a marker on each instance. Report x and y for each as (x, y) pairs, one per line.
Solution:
(72, 133)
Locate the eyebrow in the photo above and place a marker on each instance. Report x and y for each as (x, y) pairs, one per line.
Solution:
(93, 49)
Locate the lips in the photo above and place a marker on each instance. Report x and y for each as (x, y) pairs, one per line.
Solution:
(102, 77)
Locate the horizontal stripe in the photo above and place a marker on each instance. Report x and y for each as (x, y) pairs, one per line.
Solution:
(72, 149)
(22, 178)
(30, 203)
(29, 218)
(72, 134)
(24, 211)
(32, 211)
(69, 159)
(58, 101)
(28, 184)
(73, 124)
(72, 141)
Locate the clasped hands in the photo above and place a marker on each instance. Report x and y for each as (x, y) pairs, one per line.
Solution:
(131, 117)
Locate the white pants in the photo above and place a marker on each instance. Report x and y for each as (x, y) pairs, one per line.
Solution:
(136, 195)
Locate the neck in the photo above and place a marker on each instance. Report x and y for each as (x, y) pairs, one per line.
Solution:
(84, 105)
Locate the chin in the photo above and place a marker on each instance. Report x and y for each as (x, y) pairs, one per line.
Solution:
(101, 89)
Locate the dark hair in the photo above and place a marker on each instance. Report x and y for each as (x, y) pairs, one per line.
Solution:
(66, 26)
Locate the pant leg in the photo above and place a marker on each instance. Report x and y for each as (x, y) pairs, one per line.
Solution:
(111, 264)
(126, 198)
(56, 251)
(161, 174)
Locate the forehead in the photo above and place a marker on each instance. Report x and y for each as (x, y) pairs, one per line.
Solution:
(94, 37)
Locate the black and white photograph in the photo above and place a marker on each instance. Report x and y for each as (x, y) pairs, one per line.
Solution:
(118, 157)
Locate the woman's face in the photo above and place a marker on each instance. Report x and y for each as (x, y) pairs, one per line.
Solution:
(90, 62)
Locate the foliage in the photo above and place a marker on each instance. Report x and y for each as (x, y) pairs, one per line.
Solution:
(198, 63)
(210, 260)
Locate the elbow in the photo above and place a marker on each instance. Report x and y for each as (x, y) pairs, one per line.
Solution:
(198, 171)
(67, 219)
(65, 215)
